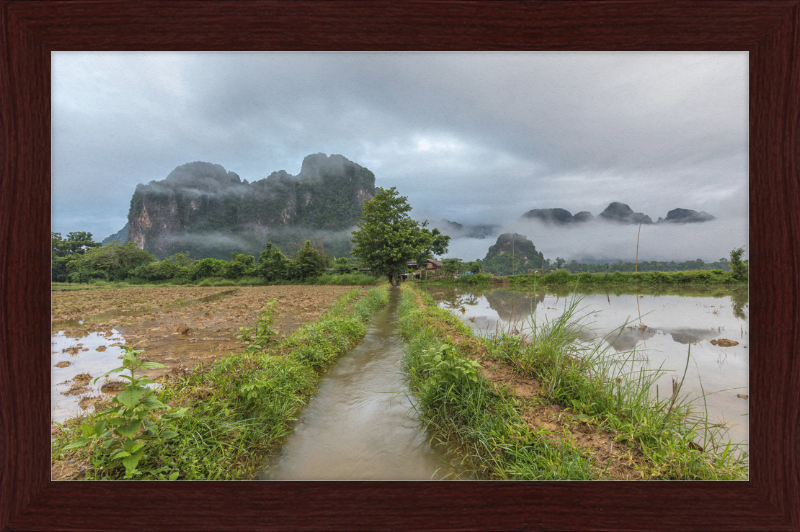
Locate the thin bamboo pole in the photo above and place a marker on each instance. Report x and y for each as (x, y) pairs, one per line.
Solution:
(636, 270)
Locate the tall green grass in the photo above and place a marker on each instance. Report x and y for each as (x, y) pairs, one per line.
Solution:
(472, 416)
(579, 375)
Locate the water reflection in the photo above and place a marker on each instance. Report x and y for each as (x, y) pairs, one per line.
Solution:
(653, 328)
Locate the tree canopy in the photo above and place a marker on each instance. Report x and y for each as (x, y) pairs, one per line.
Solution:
(387, 238)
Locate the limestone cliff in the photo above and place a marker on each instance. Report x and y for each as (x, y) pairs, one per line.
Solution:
(202, 208)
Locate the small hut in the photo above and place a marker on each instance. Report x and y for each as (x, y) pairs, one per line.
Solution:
(422, 271)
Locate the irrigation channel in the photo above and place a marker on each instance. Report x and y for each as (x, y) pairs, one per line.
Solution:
(360, 425)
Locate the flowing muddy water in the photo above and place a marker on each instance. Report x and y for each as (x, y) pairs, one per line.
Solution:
(670, 323)
(360, 425)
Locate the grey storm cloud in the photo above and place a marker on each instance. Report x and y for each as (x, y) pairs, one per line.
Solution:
(475, 138)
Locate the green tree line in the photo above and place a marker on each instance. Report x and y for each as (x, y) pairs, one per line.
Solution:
(78, 259)
(643, 266)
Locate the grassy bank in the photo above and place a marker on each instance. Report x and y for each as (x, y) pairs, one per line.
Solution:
(693, 277)
(552, 407)
(613, 279)
(221, 420)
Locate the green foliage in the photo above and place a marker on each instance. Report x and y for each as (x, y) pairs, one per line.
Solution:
(462, 409)
(112, 262)
(309, 262)
(261, 335)
(240, 265)
(65, 253)
(451, 267)
(475, 266)
(124, 433)
(204, 268)
(445, 370)
(387, 238)
(272, 265)
(647, 266)
(738, 266)
(343, 265)
(76, 242)
(630, 279)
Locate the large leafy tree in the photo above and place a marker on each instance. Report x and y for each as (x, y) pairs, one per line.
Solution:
(738, 266)
(76, 242)
(387, 238)
(114, 261)
(67, 250)
(272, 264)
(309, 262)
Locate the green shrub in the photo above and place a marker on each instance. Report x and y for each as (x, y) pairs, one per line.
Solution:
(558, 277)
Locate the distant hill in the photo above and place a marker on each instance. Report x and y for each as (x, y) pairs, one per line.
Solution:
(615, 212)
(621, 213)
(210, 212)
(120, 236)
(685, 216)
(512, 253)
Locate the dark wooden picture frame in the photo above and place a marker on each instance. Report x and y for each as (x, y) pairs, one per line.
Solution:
(769, 30)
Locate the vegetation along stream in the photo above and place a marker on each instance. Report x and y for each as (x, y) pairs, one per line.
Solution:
(360, 425)
(649, 329)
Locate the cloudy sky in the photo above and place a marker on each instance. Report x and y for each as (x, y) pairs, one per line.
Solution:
(477, 138)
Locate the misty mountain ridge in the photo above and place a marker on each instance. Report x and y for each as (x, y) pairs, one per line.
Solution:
(616, 212)
(202, 208)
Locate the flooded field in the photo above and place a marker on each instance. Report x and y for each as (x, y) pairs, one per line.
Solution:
(648, 330)
(176, 326)
(359, 425)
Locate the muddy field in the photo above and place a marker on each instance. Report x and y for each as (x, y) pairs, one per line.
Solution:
(176, 326)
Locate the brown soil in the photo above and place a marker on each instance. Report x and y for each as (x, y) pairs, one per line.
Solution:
(184, 326)
(73, 469)
(80, 304)
(63, 364)
(82, 379)
(724, 342)
(79, 383)
(88, 401)
(615, 460)
(112, 386)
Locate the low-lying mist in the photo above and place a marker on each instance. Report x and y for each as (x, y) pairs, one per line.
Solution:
(601, 241)
(220, 244)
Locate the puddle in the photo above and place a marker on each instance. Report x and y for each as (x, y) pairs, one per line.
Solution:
(94, 355)
(360, 425)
